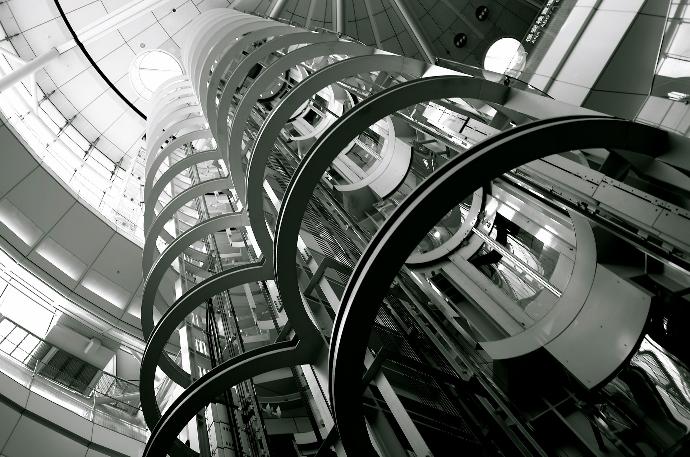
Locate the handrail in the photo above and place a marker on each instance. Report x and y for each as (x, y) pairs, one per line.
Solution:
(100, 384)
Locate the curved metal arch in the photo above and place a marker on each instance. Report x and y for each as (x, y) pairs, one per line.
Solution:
(177, 97)
(213, 383)
(150, 247)
(227, 374)
(227, 55)
(383, 166)
(230, 55)
(314, 164)
(440, 252)
(186, 217)
(176, 169)
(276, 120)
(169, 85)
(216, 27)
(173, 116)
(155, 275)
(567, 307)
(234, 150)
(179, 89)
(191, 251)
(177, 247)
(155, 225)
(155, 356)
(154, 165)
(184, 123)
(199, 53)
(193, 29)
(225, 38)
(176, 102)
(171, 173)
(196, 270)
(218, 116)
(201, 25)
(391, 245)
(171, 208)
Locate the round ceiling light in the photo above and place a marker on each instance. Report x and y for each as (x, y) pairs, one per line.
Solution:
(151, 69)
(506, 56)
(460, 40)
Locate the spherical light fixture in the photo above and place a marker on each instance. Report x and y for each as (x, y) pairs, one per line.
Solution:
(506, 56)
(152, 68)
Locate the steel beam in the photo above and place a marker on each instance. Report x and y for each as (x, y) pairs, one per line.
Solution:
(415, 29)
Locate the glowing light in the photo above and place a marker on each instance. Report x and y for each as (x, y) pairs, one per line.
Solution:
(151, 69)
(18, 223)
(545, 236)
(506, 56)
(507, 211)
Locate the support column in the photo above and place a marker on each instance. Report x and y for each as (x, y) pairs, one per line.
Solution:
(277, 9)
(28, 69)
(402, 417)
(339, 13)
(415, 30)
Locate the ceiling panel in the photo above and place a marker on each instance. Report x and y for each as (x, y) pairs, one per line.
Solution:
(108, 148)
(126, 132)
(51, 258)
(117, 62)
(64, 105)
(121, 262)
(151, 38)
(41, 199)
(59, 257)
(71, 5)
(83, 89)
(174, 22)
(42, 37)
(85, 14)
(59, 415)
(137, 26)
(105, 45)
(23, 441)
(21, 46)
(111, 5)
(15, 227)
(8, 21)
(69, 65)
(31, 14)
(16, 163)
(104, 110)
(124, 85)
(82, 233)
(85, 127)
(10, 417)
(104, 292)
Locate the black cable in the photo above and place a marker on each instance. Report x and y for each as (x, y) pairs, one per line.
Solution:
(93, 62)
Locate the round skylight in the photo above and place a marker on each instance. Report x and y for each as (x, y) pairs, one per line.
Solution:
(506, 56)
(151, 69)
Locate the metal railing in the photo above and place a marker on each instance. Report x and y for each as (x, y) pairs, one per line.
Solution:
(82, 388)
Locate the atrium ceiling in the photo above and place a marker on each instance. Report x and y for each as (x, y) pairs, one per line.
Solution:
(89, 126)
